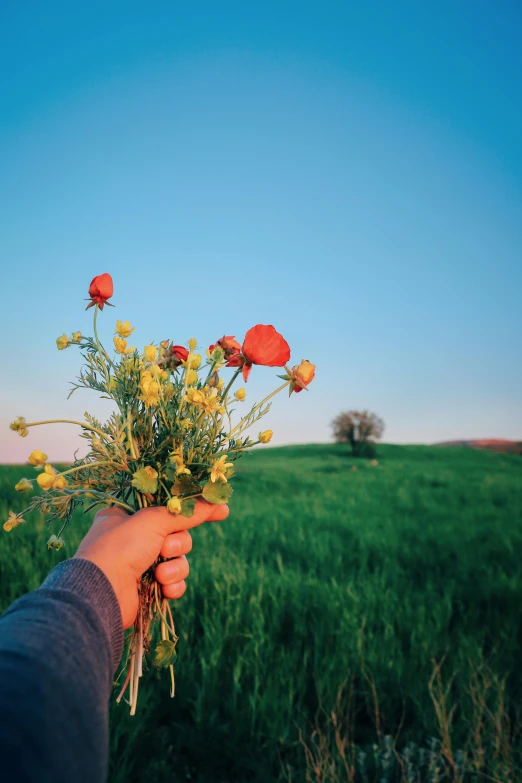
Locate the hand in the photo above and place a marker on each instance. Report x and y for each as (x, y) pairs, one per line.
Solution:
(124, 546)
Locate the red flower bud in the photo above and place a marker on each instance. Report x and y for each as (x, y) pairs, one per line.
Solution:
(100, 289)
(180, 353)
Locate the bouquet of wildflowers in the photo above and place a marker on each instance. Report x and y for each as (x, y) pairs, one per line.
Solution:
(170, 440)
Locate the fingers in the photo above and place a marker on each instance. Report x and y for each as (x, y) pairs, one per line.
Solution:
(163, 522)
(176, 544)
(110, 514)
(172, 571)
(219, 513)
(175, 590)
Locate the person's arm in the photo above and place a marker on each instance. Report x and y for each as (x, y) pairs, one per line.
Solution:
(60, 645)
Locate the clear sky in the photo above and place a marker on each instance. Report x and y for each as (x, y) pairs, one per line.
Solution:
(350, 172)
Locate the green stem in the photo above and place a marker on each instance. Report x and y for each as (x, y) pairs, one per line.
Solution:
(254, 409)
(227, 388)
(69, 421)
(129, 433)
(86, 466)
(99, 346)
(210, 372)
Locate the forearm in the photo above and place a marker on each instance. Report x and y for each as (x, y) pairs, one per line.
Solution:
(59, 647)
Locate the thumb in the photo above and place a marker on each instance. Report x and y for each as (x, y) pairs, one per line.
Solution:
(159, 518)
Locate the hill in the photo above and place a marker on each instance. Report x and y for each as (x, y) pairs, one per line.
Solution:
(343, 608)
(499, 445)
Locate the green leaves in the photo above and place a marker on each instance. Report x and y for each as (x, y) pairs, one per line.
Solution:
(217, 492)
(185, 485)
(188, 506)
(165, 653)
(146, 480)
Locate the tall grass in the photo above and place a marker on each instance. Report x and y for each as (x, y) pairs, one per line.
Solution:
(341, 625)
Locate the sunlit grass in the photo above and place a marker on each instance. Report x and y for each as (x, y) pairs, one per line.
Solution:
(322, 575)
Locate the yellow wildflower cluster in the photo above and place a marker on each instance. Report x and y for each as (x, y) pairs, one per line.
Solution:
(37, 458)
(55, 543)
(19, 426)
(151, 381)
(24, 485)
(207, 399)
(193, 361)
(63, 342)
(120, 346)
(174, 505)
(124, 329)
(150, 353)
(220, 469)
(181, 468)
(13, 521)
(49, 479)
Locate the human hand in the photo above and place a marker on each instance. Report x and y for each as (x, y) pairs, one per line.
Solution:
(124, 546)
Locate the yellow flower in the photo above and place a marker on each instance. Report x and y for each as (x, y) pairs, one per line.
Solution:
(146, 480)
(212, 401)
(240, 394)
(24, 485)
(124, 329)
(265, 436)
(174, 505)
(13, 521)
(76, 337)
(195, 397)
(151, 353)
(186, 425)
(19, 426)
(180, 465)
(46, 479)
(37, 457)
(192, 361)
(60, 482)
(55, 543)
(120, 346)
(219, 469)
(113, 383)
(192, 344)
(150, 390)
(192, 377)
(63, 342)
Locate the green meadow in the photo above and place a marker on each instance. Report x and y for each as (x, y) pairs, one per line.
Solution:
(348, 622)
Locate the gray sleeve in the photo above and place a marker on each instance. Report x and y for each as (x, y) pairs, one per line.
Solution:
(59, 648)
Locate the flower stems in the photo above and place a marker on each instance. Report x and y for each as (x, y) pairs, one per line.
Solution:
(69, 421)
(229, 385)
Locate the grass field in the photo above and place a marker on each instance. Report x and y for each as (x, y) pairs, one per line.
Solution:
(341, 625)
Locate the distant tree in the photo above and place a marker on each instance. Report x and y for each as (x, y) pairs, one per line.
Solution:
(360, 429)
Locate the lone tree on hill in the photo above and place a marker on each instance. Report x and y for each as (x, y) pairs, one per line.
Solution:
(360, 429)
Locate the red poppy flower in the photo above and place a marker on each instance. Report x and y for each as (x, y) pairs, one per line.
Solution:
(100, 289)
(228, 345)
(179, 353)
(262, 345)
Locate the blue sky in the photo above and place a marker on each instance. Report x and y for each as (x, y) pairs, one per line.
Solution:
(350, 172)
